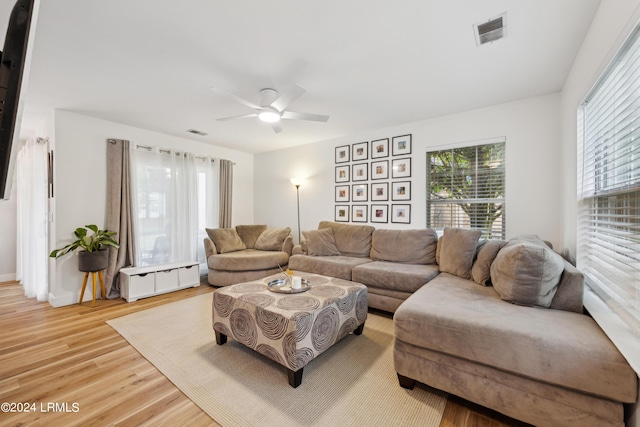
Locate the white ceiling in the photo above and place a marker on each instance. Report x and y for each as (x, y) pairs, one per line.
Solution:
(366, 63)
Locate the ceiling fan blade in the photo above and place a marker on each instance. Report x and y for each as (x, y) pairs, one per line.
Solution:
(277, 127)
(244, 116)
(292, 115)
(235, 98)
(288, 97)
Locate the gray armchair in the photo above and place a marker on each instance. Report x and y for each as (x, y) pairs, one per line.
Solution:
(246, 252)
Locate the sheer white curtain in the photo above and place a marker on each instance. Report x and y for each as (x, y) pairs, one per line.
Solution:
(170, 205)
(31, 181)
(208, 202)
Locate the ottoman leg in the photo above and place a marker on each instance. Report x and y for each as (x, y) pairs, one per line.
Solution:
(358, 330)
(406, 382)
(220, 338)
(295, 378)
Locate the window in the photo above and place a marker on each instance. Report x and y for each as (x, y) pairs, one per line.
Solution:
(608, 246)
(175, 199)
(466, 188)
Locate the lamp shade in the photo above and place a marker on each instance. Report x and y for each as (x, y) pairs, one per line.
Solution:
(296, 181)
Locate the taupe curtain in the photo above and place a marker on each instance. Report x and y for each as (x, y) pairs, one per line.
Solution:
(119, 212)
(226, 190)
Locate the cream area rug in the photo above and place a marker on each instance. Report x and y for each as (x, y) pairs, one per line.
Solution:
(351, 384)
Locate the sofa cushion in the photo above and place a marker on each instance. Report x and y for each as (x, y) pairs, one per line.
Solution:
(248, 260)
(527, 272)
(351, 239)
(457, 317)
(250, 233)
(225, 239)
(404, 246)
(396, 276)
(457, 250)
(271, 239)
(319, 243)
(569, 295)
(487, 252)
(334, 266)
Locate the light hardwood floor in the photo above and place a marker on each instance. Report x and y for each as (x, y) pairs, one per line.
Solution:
(71, 358)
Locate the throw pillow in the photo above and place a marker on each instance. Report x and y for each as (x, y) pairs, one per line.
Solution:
(250, 233)
(225, 239)
(351, 239)
(272, 239)
(320, 242)
(457, 250)
(481, 270)
(527, 272)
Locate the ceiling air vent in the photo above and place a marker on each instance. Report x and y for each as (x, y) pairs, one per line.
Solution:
(491, 30)
(196, 132)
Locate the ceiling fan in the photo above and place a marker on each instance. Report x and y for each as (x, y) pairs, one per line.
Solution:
(273, 107)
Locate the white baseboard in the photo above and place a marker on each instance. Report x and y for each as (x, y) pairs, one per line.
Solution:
(70, 298)
(62, 300)
(7, 277)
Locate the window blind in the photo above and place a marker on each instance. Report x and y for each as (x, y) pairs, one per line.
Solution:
(608, 245)
(466, 188)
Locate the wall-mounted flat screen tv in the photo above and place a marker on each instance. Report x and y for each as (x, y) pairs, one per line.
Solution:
(13, 77)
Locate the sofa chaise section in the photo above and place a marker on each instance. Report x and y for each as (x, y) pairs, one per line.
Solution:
(545, 366)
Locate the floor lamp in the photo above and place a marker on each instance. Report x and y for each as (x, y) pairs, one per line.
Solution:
(297, 182)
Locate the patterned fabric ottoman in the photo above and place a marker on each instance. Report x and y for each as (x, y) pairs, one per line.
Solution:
(291, 329)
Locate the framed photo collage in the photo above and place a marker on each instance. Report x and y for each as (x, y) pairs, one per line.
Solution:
(373, 181)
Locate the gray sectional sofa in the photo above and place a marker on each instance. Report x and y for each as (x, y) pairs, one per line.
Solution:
(498, 323)
(246, 253)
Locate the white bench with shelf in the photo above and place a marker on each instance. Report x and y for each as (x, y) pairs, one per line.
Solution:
(142, 282)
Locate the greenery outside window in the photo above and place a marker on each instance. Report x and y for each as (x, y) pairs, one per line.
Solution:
(465, 188)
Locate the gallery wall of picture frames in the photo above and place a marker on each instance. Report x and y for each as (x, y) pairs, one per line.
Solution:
(370, 175)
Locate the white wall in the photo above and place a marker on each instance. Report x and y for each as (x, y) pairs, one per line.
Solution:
(80, 183)
(8, 225)
(532, 131)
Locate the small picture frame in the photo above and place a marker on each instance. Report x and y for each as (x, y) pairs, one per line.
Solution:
(342, 213)
(380, 213)
(359, 172)
(401, 190)
(401, 214)
(401, 145)
(342, 173)
(359, 213)
(379, 191)
(380, 148)
(342, 154)
(380, 169)
(359, 192)
(360, 151)
(342, 193)
(401, 168)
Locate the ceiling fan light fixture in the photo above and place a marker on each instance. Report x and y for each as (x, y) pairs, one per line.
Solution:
(269, 116)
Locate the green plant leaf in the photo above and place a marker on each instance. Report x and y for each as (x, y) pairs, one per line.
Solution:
(90, 243)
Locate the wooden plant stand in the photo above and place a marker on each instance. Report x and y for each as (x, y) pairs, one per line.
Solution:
(84, 285)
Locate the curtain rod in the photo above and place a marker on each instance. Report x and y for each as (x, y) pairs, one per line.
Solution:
(167, 151)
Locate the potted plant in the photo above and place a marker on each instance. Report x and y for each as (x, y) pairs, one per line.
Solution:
(93, 255)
